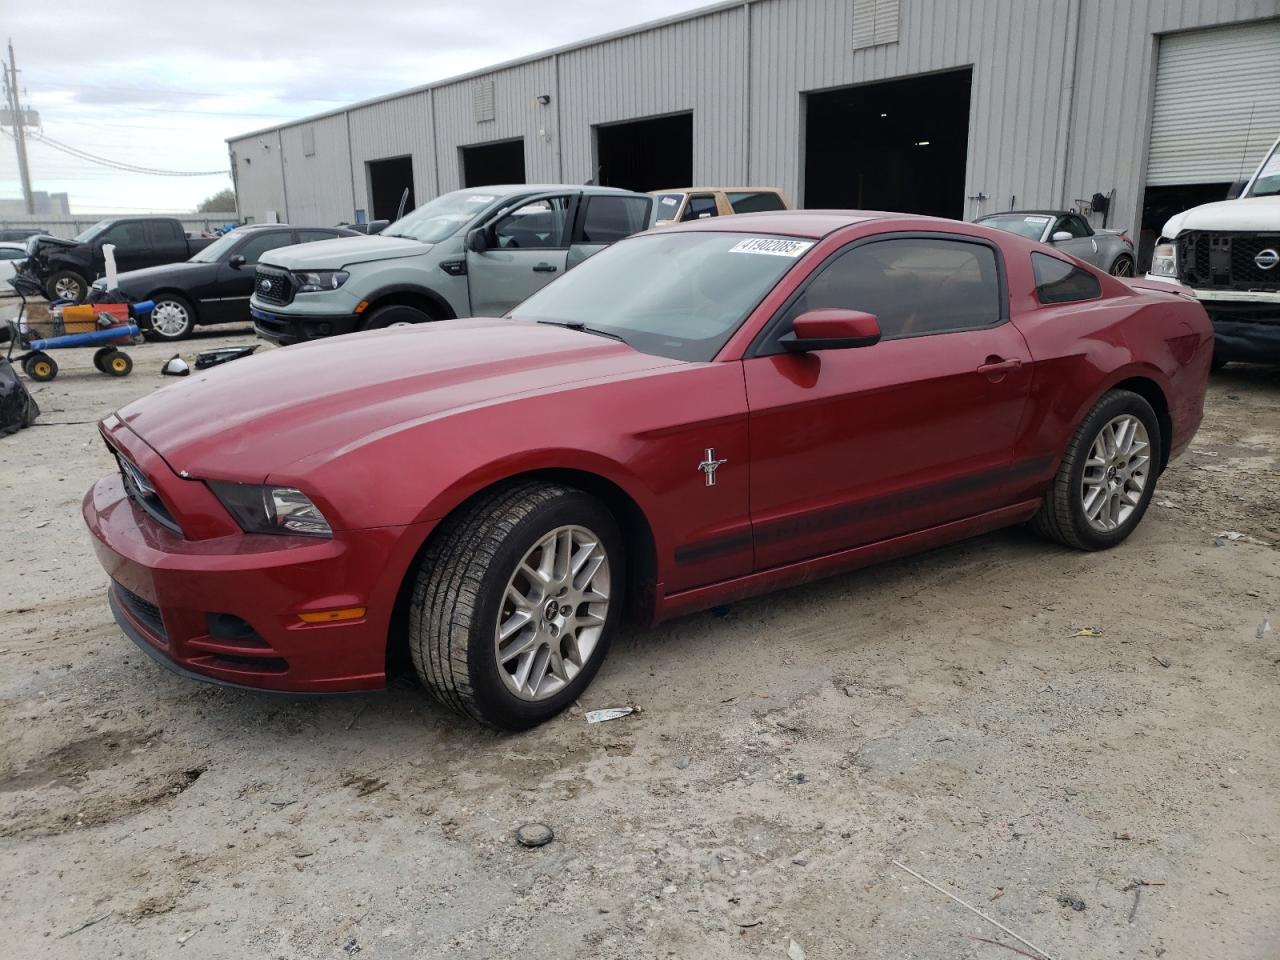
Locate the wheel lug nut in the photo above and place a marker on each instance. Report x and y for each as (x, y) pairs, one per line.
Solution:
(566, 610)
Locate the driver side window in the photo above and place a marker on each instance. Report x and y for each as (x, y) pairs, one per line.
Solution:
(537, 225)
(1073, 225)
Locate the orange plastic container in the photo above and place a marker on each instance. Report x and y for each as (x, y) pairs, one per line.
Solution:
(84, 318)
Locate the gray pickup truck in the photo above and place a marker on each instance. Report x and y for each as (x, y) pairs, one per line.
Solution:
(475, 252)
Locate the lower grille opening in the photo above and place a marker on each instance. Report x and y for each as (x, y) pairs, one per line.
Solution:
(228, 628)
(227, 661)
(144, 611)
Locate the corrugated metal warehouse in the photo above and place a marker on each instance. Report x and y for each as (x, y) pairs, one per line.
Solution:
(950, 107)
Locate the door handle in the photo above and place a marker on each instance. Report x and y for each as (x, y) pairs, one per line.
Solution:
(544, 268)
(995, 368)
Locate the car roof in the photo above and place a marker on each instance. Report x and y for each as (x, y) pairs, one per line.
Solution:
(718, 189)
(1019, 213)
(796, 223)
(507, 189)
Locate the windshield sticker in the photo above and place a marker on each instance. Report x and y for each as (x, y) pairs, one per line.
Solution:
(669, 201)
(773, 248)
(1035, 219)
(480, 198)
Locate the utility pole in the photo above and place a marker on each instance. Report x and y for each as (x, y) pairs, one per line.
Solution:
(19, 118)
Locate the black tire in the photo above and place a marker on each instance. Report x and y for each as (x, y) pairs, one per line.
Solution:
(40, 367)
(180, 305)
(1061, 516)
(394, 314)
(99, 356)
(1123, 266)
(117, 363)
(66, 285)
(459, 589)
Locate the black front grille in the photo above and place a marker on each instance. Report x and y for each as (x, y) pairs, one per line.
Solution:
(273, 285)
(144, 611)
(141, 492)
(1228, 261)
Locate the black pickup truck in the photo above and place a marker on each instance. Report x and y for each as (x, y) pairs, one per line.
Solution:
(64, 269)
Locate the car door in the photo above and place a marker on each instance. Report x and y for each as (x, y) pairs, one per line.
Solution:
(1081, 243)
(855, 446)
(130, 240)
(603, 219)
(166, 243)
(228, 299)
(526, 248)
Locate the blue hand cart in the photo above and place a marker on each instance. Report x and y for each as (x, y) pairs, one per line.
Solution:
(102, 325)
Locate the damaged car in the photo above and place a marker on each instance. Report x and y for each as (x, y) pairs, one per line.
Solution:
(690, 417)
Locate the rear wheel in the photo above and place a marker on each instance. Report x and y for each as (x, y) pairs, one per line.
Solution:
(1123, 266)
(67, 285)
(395, 315)
(1107, 477)
(117, 364)
(172, 318)
(515, 603)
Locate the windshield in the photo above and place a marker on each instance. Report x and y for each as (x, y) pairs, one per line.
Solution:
(1029, 225)
(678, 295)
(668, 205)
(442, 217)
(98, 227)
(219, 248)
(1267, 182)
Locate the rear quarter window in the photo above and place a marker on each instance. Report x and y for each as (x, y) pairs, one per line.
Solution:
(755, 202)
(1060, 282)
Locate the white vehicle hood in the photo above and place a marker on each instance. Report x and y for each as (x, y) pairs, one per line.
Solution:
(1247, 213)
(343, 251)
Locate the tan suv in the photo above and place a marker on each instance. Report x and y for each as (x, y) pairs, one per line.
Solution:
(699, 203)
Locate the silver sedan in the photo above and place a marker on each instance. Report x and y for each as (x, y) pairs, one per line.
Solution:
(1071, 233)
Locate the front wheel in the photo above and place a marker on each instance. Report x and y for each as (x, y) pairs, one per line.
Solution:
(40, 367)
(1123, 266)
(1106, 478)
(515, 603)
(67, 285)
(395, 315)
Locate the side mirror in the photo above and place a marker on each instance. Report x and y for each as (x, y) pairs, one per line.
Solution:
(1060, 235)
(832, 329)
(377, 226)
(1236, 189)
(236, 262)
(478, 240)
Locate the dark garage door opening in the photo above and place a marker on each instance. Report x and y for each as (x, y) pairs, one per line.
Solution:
(646, 154)
(387, 182)
(898, 145)
(487, 163)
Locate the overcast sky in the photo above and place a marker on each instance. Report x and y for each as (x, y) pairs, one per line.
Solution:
(164, 84)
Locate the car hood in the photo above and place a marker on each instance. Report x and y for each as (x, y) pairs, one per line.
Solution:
(45, 239)
(1247, 213)
(248, 418)
(342, 252)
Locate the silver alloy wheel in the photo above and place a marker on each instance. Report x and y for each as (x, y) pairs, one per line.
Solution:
(1123, 267)
(553, 613)
(68, 288)
(170, 318)
(1116, 472)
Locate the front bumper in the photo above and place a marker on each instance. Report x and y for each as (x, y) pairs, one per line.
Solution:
(284, 329)
(227, 609)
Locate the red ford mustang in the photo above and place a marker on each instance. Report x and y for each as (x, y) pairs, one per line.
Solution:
(689, 417)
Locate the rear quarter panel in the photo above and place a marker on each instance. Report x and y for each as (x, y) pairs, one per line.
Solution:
(1082, 350)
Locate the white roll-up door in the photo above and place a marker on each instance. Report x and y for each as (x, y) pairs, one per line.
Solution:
(1217, 106)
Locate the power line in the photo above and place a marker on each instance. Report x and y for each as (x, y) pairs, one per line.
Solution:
(120, 164)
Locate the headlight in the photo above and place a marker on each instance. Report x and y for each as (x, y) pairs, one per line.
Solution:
(1165, 261)
(267, 509)
(100, 284)
(314, 281)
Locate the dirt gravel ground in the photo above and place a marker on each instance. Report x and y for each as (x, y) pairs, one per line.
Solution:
(1109, 796)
